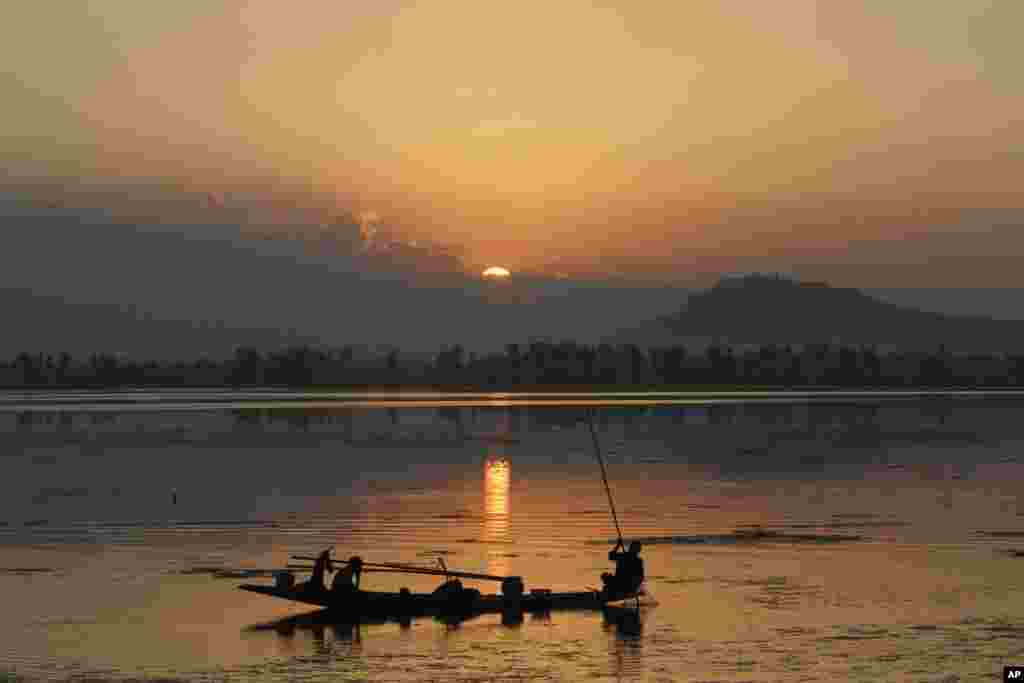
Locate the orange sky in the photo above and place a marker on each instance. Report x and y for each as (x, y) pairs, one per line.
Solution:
(643, 137)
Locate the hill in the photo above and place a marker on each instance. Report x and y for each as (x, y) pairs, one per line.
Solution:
(766, 309)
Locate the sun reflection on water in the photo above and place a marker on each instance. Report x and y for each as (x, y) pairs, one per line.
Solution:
(497, 481)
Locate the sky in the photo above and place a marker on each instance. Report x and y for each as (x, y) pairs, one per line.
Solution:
(874, 143)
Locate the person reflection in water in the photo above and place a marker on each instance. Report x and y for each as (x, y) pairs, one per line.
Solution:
(629, 572)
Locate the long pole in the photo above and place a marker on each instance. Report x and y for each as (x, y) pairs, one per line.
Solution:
(604, 473)
(407, 568)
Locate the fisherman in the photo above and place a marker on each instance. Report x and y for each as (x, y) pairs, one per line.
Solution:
(454, 599)
(346, 581)
(629, 572)
(322, 565)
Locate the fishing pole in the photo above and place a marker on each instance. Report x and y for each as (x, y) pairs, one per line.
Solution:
(604, 473)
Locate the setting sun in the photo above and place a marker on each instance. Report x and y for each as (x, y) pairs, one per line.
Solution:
(496, 272)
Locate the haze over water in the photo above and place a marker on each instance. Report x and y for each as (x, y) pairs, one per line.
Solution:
(890, 527)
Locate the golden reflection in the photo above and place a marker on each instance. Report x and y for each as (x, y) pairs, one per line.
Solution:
(497, 481)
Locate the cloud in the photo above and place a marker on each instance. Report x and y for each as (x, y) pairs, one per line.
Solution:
(491, 128)
(446, 118)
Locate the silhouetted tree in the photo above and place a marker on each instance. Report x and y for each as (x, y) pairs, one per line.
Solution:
(538, 364)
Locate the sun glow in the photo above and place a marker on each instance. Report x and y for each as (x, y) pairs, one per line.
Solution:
(496, 272)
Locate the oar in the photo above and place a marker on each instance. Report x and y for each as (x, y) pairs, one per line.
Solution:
(413, 569)
(390, 565)
(437, 572)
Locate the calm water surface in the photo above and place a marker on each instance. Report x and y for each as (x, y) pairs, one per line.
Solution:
(891, 553)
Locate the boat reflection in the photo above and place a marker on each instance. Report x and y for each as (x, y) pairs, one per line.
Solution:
(321, 623)
(326, 627)
(496, 518)
(325, 631)
(625, 626)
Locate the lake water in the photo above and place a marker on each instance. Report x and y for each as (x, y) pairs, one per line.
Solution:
(890, 553)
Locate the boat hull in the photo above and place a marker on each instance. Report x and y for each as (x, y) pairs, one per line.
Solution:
(398, 605)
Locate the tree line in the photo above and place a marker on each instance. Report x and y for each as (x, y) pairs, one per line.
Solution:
(536, 364)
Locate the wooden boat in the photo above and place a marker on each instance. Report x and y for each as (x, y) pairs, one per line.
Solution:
(464, 602)
(451, 599)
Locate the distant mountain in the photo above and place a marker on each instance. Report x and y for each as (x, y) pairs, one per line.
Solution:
(1003, 303)
(76, 281)
(760, 309)
(50, 324)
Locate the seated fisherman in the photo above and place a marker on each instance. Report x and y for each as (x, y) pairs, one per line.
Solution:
(629, 572)
(453, 598)
(323, 564)
(346, 581)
